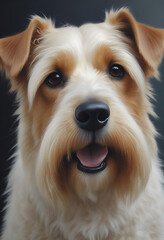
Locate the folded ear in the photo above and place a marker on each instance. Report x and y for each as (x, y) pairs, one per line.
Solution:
(15, 50)
(149, 41)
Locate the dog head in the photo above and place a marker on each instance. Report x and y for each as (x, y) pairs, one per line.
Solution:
(84, 104)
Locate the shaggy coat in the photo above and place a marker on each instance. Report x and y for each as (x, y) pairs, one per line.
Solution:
(54, 70)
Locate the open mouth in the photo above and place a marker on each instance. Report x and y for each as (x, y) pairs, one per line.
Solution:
(92, 158)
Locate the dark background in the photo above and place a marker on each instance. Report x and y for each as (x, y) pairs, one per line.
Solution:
(14, 17)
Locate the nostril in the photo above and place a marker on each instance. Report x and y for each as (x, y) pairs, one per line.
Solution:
(103, 116)
(82, 117)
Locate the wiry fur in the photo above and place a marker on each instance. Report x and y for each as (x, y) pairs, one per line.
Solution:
(50, 200)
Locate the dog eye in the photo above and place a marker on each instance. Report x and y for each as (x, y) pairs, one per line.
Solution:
(54, 80)
(116, 71)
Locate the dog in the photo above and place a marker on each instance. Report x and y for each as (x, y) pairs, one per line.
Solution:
(87, 164)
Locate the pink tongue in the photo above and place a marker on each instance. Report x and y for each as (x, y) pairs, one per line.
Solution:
(92, 155)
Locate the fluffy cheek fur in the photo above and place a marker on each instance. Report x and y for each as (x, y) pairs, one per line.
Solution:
(128, 164)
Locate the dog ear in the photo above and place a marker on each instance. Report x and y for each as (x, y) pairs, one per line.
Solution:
(149, 41)
(15, 50)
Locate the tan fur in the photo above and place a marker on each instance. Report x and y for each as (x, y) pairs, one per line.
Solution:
(149, 40)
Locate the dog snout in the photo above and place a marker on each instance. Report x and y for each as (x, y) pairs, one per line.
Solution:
(92, 115)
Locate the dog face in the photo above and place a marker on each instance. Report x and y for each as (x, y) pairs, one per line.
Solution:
(84, 94)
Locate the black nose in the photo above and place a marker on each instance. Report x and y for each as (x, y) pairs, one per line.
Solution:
(92, 115)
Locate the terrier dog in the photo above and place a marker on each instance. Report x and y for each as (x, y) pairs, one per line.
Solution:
(87, 164)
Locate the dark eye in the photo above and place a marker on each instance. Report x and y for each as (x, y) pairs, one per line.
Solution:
(116, 71)
(55, 80)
